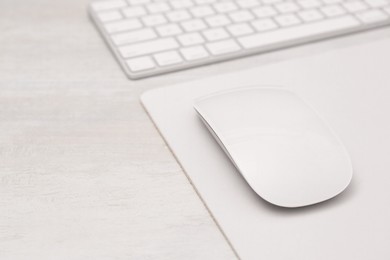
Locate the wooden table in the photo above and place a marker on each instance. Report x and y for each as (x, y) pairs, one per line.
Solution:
(84, 174)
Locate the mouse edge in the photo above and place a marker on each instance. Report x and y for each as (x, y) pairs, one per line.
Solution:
(241, 89)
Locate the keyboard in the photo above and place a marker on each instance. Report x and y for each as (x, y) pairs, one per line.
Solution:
(151, 37)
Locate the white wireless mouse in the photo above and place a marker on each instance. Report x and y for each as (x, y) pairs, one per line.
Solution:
(281, 146)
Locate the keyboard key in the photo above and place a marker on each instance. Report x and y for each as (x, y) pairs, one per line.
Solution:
(333, 10)
(138, 2)
(265, 11)
(169, 30)
(298, 32)
(311, 15)
(178, 4)
(177, 16)
(248, 3)
(329, 2)
(109, 16)
(152, 20)
(106, 5)
(123, 25)
(218, 20)
(202, 2)
(190, 39)
(223, 47)
(287, 7)
(271, 1)
(144, 48)
(355, 6)
(310, 3)
(264, 25)
(140, 64)
(287, 20)
(372, 16)
(240, 29)
(168, 58)
(202, 11)
(377, 3)
(224, 7)
(216, 34)
(158, 8)
(194, 53)
(193, 25)
(134, 11)
(241, 16)
(134, 36)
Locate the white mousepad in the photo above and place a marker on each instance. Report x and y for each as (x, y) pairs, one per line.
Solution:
(351, 89)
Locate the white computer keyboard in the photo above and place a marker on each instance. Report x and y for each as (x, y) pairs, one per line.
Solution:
(151, 37)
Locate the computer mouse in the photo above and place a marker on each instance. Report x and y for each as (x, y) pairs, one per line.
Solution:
(283, 148)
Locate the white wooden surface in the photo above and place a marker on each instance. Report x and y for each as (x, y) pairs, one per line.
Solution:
(83, 172)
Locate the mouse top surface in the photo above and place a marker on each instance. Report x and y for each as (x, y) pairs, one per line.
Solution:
(281, 146)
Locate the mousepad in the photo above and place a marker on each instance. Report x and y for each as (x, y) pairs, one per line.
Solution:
(351, 89)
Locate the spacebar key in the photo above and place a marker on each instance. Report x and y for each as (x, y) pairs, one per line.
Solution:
(294, 34)
(144, 48)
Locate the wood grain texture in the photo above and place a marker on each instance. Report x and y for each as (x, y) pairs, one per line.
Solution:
(83, 172)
